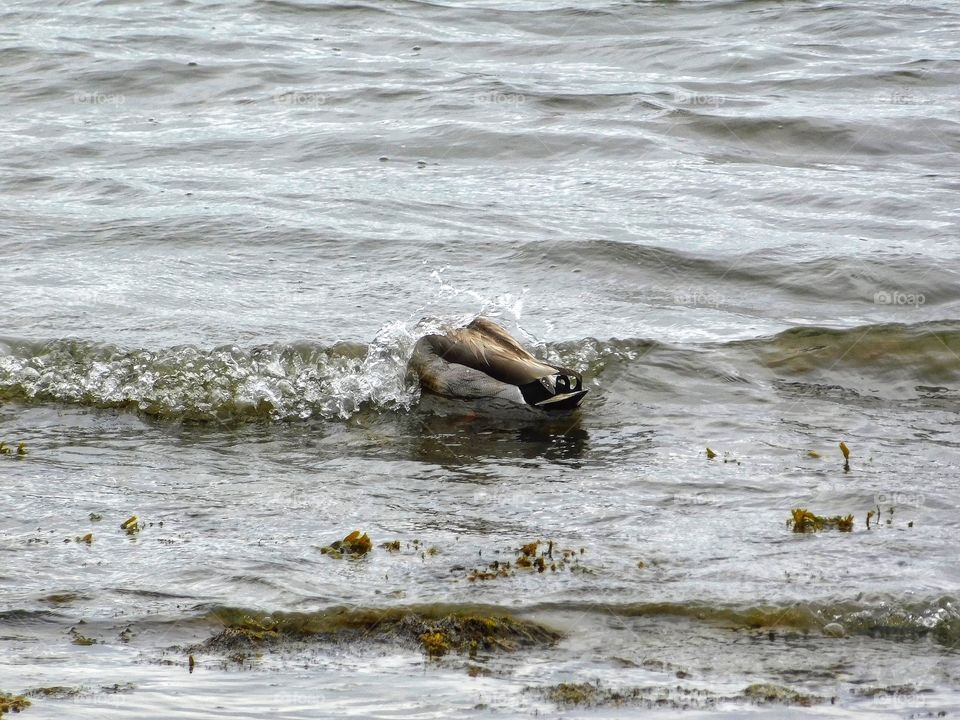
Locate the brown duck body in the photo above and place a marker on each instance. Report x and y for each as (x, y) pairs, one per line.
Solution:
(482, 360)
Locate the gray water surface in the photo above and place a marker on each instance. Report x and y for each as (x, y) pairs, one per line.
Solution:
(223, 227)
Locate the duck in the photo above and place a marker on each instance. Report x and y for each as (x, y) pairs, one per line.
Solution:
(482, 360)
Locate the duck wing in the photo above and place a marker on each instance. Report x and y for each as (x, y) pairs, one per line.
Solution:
(486, 347)
(496, 335)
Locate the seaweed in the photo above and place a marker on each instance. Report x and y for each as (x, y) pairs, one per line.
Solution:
(573, 694)
(529, 559)
(54, 691)
(435, 643)
(584, 694)
(593, 695)
(710, 454)
(436, 630)
(20, 452)
(530, 549)
(12, 703)
(356, 544)
(846, 456)
(804, 521)
(79, 638)
(131, 525)
(770, 693)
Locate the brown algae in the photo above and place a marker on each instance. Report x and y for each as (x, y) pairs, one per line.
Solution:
(57, 692)
(79, 638)
(12, 703)
(435, 629)
(356, 544)
(846, 456)
(587, 695)
(770, 693)
(804, 521)
(537, 555)
(131, 525)
(435, 643)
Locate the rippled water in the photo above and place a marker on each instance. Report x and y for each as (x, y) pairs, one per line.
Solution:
(223, 227)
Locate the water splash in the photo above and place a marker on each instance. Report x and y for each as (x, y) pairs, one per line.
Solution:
(506, 308)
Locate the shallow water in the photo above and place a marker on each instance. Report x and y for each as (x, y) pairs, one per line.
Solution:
(738, 219)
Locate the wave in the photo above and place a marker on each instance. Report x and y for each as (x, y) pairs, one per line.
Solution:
(883, 617)
(925, 352)
(298, 381)
(879, 616)
(273, 382)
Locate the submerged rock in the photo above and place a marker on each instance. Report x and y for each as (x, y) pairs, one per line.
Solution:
(834, 629)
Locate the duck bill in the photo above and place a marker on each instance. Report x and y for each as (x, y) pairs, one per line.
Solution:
(564, 401)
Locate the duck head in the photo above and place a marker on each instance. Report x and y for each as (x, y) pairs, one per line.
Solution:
(560, 391)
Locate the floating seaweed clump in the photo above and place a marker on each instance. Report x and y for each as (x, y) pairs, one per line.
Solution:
(79, 638)
(592, 695)
(676, 697)
(356, 544)
(436, 630)
(21, 449)
(12, 703)
(804, 521)
(536, 555)
(770, 693)
(131, 525)
(573, 694)
(435, 643)
(54, 691)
